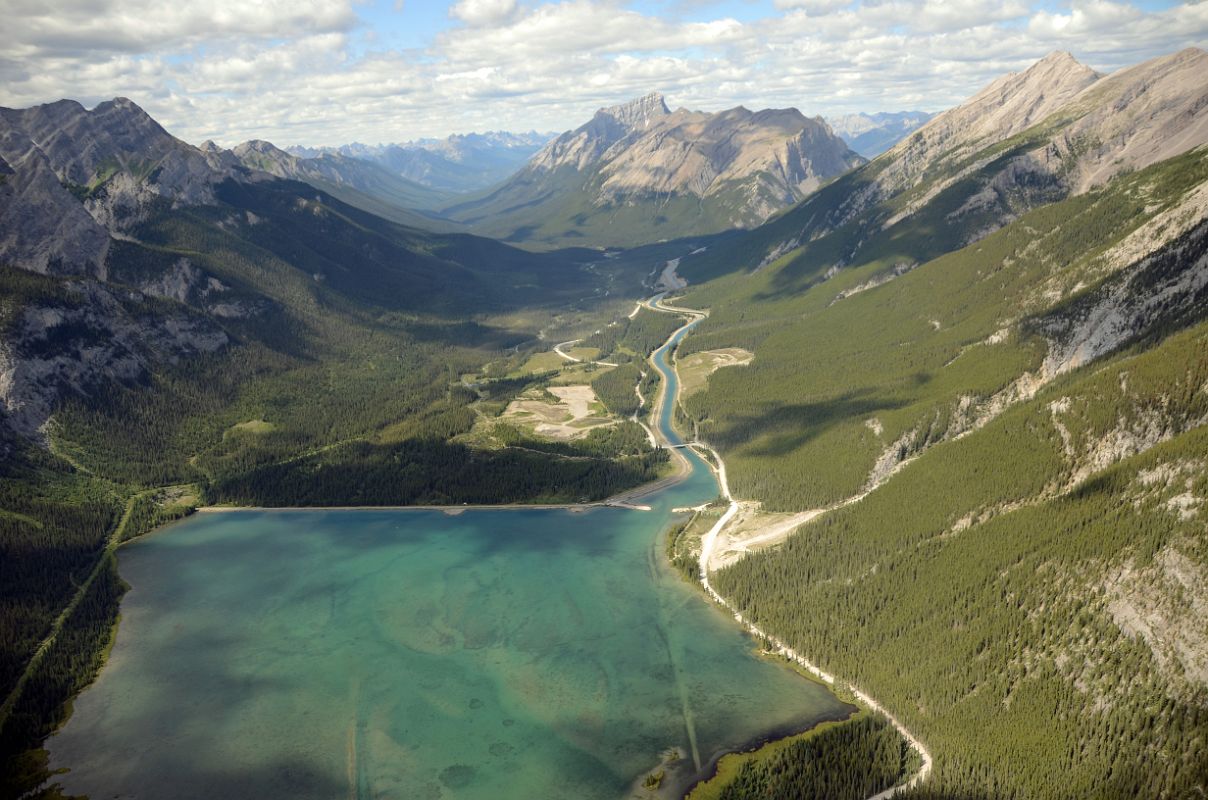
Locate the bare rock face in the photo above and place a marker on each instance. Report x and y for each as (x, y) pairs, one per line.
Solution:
(77, 177)
(642, 148)
(586, 146)
(744, 165)
(1009, 105)
(1056, 129)
(1137, 117)
(44, 228)
(72, 181)
(99, 334)
(1086, 128)
(785, 153)
(1163, 286)
(81, 144)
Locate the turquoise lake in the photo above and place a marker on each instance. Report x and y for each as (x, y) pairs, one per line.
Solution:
(417, 654)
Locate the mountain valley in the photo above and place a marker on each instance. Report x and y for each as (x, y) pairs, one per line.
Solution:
(947, 376)
(640, 172)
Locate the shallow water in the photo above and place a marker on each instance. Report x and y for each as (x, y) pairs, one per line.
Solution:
(413, 654)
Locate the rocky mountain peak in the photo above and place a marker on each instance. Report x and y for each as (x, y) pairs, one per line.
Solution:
(1019, 100)
(121, 105)
(259, 146)
(638, 114)
(1057, 58)
(80, 176)
(778, 155)
(1059, 69)
(1136, 117)
(736, 167)
(1009, 105)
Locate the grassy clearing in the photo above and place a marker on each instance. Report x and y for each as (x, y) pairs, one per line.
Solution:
(252, 426)
(695, 369)
(541, 362)
(572, 373)
(584, 353)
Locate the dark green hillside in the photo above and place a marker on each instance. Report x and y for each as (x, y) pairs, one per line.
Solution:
(561, 212)
(840, 359)
(633, 339)
(344, 324)
(1010, 571)
(1022, 594)
(831, 228)
(370, 260)
(853, 760)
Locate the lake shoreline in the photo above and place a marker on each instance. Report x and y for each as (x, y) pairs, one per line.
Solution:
(625, 500)
(708, 542)
(683, 469)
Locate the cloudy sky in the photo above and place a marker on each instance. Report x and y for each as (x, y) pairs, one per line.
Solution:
(334, 71)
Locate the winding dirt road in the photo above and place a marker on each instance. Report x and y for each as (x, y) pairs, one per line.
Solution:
(558, 349)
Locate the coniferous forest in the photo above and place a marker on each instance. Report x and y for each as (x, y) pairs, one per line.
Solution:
(954, 390)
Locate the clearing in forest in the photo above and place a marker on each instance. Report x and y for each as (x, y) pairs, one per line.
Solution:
(695, 369)
(559, 412)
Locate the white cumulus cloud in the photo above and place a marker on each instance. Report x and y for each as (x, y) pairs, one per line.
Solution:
(483, 12)
(313, 72)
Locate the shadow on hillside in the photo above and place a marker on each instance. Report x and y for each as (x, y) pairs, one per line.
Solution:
(789, 427)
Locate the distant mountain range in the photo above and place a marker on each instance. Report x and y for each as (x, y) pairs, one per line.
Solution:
(873, 134)
(635, 173)
(358, 182)
(458, 164)
(639, 172)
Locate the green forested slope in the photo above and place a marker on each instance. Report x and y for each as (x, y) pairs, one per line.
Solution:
(1024, 587)
(840, 377)
(633, 338)
(980, 593)
(563, 210)
(852, 760)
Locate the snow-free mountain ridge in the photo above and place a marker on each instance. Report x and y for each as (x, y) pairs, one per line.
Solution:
(641, 172)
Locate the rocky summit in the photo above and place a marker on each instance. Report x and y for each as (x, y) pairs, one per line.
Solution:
(74, 177)
(668, 173)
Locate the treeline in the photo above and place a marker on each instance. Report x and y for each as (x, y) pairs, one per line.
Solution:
(53, 528)
(416, 472)
(626, 438)
(150, 510)
(853, 760)
(496, 393)
(634, 339)
(678, 554)
(183, 425)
